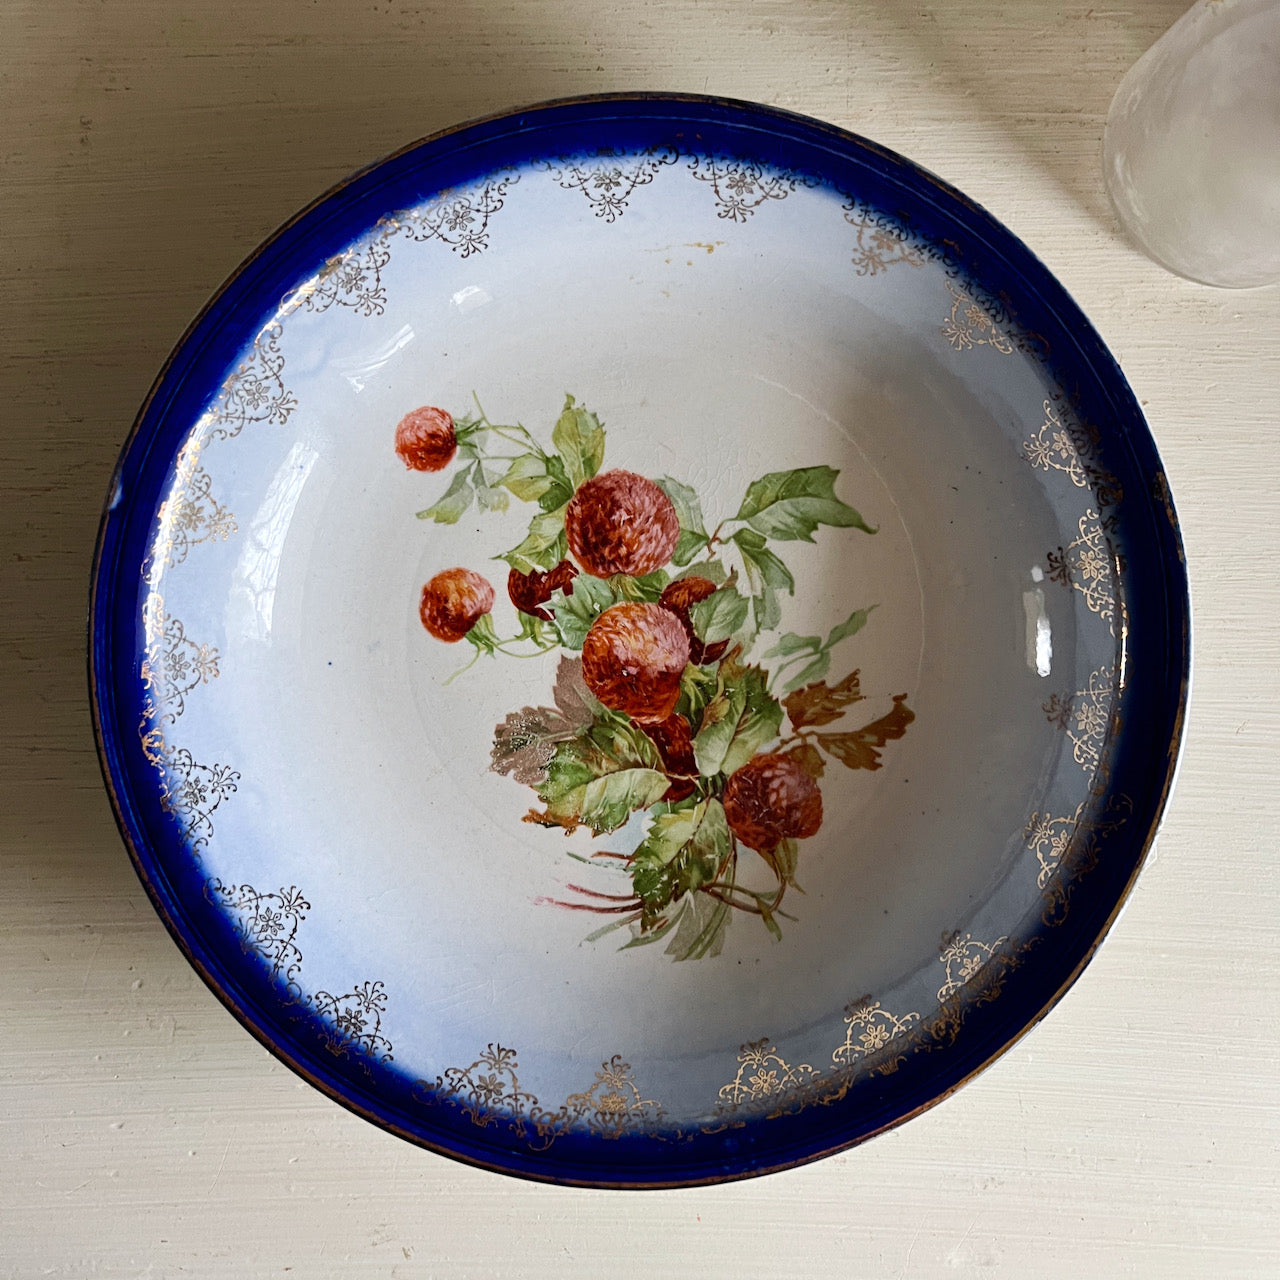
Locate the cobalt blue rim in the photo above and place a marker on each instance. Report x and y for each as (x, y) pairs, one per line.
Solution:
(1156, 644)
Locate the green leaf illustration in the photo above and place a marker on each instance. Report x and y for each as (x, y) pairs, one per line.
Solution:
(600, 777)
(574, 613)
(482, 634)
(667, 836)
(693, 535)
(849, 627)
(456, 501)
(579, 439)
(707, 849)
(811, 671)
(489, 497)
(738, 721)
(759, 723)
(648, 588)
(697, 688)
(712, 570)
(792, 643)
(623, 741)
(719, 723)
(609, 801)
(797, 648)
(561, 488)
(680, 853)
(540, 478)
(766, 576)
(545, 546)
(788, 505)
(701, 928)
(527, 477)
(719, 615)
(783, 859)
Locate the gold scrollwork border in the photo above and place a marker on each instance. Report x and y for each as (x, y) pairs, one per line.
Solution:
(1068, 847)
(1088, 717)
(876, 1041)
(740, 187)
(267, 926)
(187, 516)
(488, 1092)
(608, 178)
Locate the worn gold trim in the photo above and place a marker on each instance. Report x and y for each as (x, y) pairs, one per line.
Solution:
(187, 516)
(609, 178)
(1086, 716)
(489, 1092)
(879, 241)
(1086, 565)
(740, 187)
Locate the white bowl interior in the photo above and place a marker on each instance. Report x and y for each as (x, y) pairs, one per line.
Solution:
(713, 350)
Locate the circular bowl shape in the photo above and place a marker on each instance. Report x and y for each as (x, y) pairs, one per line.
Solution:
(441, 880)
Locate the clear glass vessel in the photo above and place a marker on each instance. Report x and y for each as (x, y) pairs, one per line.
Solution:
(1191, 152)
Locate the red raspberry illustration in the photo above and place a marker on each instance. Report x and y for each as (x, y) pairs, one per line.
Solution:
(529, 590)
(453, 602)
(679, 597)
(674, 741)
(770, 799)
(619, 522)
(425, 439)
(632, 660)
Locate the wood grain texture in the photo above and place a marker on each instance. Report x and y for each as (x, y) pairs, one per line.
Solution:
(145, 149)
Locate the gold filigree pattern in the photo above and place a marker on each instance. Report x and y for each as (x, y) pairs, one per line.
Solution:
(876, 1042)
(879, 241)
(869, 1031)
(1085, 565)
(1068, 848)
(612, 1106)
(172, 664)
(987, 969)
(765, 1085)
(254, 393)
(963, 957)
(189, 515)
(741, 187)
(352, 279)
(189, 791)
(353, 1023)
(973, 323)
(266, 925)
(1063, 443)
(609, 177)
(489, 1092)
(1084, 716)
(457, 218)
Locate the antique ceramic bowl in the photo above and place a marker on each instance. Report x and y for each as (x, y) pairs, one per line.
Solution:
(639, 642)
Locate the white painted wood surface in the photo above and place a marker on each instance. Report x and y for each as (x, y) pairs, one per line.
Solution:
(145, 149)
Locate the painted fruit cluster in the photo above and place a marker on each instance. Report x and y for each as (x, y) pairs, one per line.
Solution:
(662, 726)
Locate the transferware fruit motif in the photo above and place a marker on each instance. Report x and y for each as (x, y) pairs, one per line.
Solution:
(663, 729)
